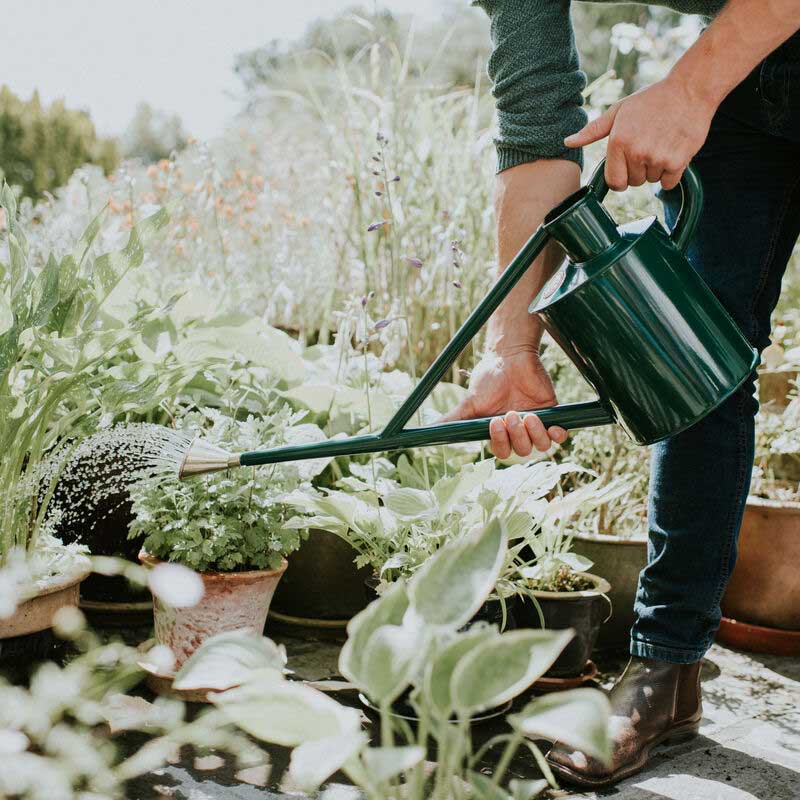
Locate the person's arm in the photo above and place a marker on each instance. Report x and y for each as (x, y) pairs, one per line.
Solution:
(537, 85)
(655, 133)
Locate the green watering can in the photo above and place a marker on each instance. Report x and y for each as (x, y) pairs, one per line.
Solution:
(626, 307)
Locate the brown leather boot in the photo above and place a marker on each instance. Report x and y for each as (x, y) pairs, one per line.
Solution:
(652, 703)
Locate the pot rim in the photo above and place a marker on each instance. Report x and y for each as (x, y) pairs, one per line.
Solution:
(779, 506)
(609, 538)
(59, 582)
(150, 561)
(601, 587)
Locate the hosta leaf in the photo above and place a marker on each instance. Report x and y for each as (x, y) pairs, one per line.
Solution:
(384, 763)
(452, 490)
(575, 561)
(439, 672)
(453, 584)
(227, 659)
(390, 659)
(315, 761)
(577, 718)
(388, 609)
(498, 669)
(410, 503)
(283, 712)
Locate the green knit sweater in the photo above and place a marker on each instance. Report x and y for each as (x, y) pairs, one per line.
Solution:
(537, 79)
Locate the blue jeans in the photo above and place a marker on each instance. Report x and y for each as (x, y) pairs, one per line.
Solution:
(750, 169)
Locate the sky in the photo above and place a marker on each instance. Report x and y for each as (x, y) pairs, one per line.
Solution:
(106, 56)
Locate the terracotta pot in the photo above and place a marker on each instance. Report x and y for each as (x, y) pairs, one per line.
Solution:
(36, 614)
(758, 639)
(232, 601)
(584, 611)
(765, 586)
(618, 560)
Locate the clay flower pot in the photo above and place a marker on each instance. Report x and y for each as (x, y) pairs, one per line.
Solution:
(231, 601)
(36, 614)
(764, 591)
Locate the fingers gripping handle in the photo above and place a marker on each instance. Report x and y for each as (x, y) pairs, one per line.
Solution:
(691, 202)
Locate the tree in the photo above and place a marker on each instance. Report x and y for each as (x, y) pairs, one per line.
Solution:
(40, 147)
(152, 135)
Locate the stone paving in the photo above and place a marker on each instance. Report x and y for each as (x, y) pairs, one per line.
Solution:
(749, 747)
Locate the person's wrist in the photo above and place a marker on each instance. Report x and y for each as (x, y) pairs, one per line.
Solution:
(702, 88)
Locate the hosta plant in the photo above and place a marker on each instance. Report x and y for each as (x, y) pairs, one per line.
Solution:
(408, 643)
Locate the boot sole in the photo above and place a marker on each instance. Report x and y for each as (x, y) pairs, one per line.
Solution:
(676, 735)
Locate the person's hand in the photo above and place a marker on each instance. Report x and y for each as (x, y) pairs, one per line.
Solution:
(503, 384)
(652, 134)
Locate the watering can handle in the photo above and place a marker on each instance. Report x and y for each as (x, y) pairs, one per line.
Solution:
(691, 202)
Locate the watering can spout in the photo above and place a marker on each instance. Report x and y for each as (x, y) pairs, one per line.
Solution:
(582, 226)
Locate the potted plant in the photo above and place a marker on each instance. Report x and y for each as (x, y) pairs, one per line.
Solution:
(761, 606)
(399, 525)
(558, 590)
(230, 527)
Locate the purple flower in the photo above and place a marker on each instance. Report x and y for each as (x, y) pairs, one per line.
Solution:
(457, 284)
(378, 193)
(396, 179)
(381, 324)
(415, 262)
(375, 226)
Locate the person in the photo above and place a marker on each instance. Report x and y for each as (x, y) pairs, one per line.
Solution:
(731, 106)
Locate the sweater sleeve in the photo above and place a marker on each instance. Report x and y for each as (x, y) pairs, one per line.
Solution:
(536, 78)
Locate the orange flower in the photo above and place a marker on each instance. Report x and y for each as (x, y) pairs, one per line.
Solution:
(152, 172)
(257, 181)
(163, 164)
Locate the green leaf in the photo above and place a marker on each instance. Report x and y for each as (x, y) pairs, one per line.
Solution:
(111, 267)
(410, 503)
(286, 713)
(228, 659)
(439, 672)
(498, 669)
(577, 717)
(6, 315)
(452, 490)
(315, 761)
(453, 584)
(388, 609)
(44, 292)
(390, 659)
(384, 763)
(575, 561)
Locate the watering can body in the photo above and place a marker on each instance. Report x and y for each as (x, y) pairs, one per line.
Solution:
(637, 320)
(626, 306)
